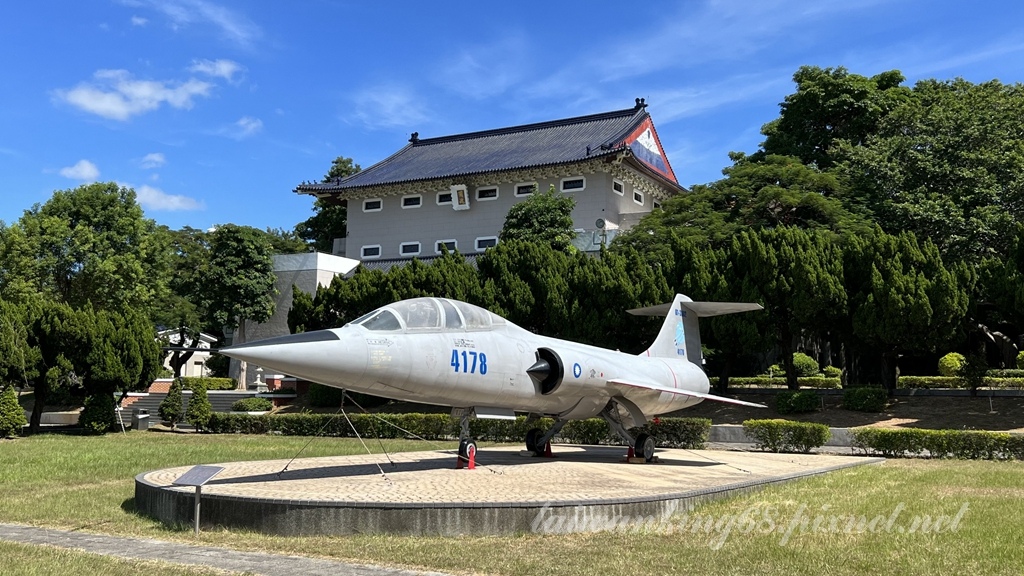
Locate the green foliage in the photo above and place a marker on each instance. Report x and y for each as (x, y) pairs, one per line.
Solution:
(172, 406)
(766, 382)
(209, 383)
(954, 382)
(865, 399)
(12, 416)
(785, 435)
(960, 444)
(950, 364)
(590, 431)
(805, 365)
(997, 374)
(972, 372)
(240, 280)
(1020, 360)
(544, 217)
(99, 415)
(253, 405)
(797, 402)
(832, 372)
(199, 410)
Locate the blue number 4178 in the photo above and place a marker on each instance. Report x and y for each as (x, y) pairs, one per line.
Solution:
(472, 361)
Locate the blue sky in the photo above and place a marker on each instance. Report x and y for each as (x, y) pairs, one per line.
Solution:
(214, 110)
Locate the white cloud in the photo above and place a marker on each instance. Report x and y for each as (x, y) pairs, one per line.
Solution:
(483, 71)
(156, 199)
(139, 21)
(390, 107)
(153, 160)
(183, 13)
(245, 127)
(118, 96)
(219, 68)
(82, 170)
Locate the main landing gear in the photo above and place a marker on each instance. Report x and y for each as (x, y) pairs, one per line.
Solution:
(538, 442)
(467, 445)
(621, 414)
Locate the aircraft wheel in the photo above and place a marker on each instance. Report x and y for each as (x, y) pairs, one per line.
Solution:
(467, 448)
(644, 446)
(533, 435)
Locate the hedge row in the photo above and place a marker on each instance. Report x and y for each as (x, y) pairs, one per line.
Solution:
(689, 433)
(797, 402)
(962, 444)
(786, 435)
(954, 382)
(1005, 373)
(998, 379)
(766, 382)
(211, 383)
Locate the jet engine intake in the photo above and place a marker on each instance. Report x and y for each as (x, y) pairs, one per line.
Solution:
(548, 371)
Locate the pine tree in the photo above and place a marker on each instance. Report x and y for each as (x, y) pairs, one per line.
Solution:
(12, 416)
(199, 409)
(170, 408)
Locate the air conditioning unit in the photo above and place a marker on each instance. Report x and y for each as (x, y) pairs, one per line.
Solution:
(460, 197)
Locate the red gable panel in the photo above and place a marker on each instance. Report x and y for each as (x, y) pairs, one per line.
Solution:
(647, 148)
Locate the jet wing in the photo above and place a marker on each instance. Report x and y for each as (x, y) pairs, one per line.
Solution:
(660, 388)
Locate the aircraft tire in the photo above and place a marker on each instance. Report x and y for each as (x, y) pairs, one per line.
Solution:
(467, 447)
(532, 436)
(644, 446)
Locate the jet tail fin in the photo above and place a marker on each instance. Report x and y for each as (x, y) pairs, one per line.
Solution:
(680, 333)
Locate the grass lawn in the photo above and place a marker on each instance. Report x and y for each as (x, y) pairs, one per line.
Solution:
(87, 483)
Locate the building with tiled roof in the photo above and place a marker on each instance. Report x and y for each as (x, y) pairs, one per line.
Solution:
(456, 190)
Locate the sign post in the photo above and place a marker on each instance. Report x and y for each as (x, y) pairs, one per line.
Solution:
(197, 476)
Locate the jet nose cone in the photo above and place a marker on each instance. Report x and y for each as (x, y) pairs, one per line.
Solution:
(324, 356)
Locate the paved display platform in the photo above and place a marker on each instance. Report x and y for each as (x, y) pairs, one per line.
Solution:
(583, 488)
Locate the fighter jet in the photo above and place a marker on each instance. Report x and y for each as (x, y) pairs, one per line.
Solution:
(451, 353)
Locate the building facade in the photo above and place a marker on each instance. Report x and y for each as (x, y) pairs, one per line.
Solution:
(455, 191)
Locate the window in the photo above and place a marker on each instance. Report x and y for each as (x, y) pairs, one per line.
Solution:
(409, 249)
(371, 251)
(526, 189)
(573, 184)
(384, 320)
(451, 245)
(489, 193)
(486, 242)
(618, 187)
(412, 201)
(372, 205)
(638, 197)
(657, 205)
(444, 198)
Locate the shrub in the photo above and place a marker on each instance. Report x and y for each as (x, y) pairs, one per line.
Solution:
(590, 431)
(199, 409)
(950, 364)
(98, 416)
(766, 382)
(776, 371)
(12, 416)
(1009, 373)
(832, 372)
(688, 433)
(961, 444)
(189, 383)
(797, 402)
(253, 405)
(171, 407)
(1020, 360)
(804, 365)
(865, 399)
(785, 435)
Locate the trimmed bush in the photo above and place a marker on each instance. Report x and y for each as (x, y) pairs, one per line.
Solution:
(172, 406)
(189, 382)
(865, 399)
(786, 435)
(1020, 360)
(12, 416)
(199, 410)
(253, 405)
(960, 444)
(950, 364)
(804, 365)
(766, 382)
(1006, 373)
(832, 372)
(797, 402)
(688, 433)
(933, 382)
(98, 416)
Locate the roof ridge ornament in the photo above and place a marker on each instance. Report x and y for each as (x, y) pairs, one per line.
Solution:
(415, 138)
(641, 103)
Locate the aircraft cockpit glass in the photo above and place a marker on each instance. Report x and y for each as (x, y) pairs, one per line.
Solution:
(476, 317)
(419, 312)
(451, 315)
(382, 320)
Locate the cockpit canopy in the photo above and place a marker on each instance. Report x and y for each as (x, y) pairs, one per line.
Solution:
(428, 314)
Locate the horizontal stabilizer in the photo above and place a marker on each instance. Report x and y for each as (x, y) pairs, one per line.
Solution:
(702, 395)
(703, 309)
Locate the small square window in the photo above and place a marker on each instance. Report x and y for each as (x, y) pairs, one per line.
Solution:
(371, 251)
(486, 242)
(372, 205)
(526, 189)
(489, 193)
(638, 197)
(444, 198)
(573, 184)
(410, 248)
(618, 187)
(657, 205)
(412, 201)
(451, 245)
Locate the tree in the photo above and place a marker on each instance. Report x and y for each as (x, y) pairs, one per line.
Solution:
(98, 416)
(12, 416)
(199, 410)
(829, 105)
(329, 220)
(171, 406)
(543, 217)
(184, 306)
